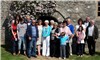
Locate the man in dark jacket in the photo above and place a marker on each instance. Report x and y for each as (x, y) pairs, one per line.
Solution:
(91, 35)
(32, 33)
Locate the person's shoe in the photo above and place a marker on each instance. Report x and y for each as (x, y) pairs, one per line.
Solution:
(29, 56)
(60, 58)
(71, 54)
(34, 56)
(14, 54)
(19, 53)
(64, 58)
(25, 53)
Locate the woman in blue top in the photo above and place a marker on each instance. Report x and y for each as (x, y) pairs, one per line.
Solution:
(46, 39)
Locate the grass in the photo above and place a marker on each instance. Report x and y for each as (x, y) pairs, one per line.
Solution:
(5, 55)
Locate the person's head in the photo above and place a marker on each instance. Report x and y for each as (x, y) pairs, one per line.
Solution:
(39, 22)
(51, 22)
(33, 22)
(62, 34)
(80, 21)
(64, 24)
(68, 21)
(28, 17)
(17, 17)
(80, 28)
(60, 24)
(87, 19)
(21, 20)
(55, 25)
(46, 22)
(92, 22)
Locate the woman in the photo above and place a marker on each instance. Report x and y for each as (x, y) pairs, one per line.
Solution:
(80, 23)
(14, 35)
(46, 39)
(54, 40)
(40, 36)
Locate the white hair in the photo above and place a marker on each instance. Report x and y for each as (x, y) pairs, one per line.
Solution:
(46, 21)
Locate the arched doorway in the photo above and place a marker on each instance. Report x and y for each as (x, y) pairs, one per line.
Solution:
(49, 18)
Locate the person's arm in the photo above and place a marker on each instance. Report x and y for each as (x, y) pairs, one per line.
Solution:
(14, 34)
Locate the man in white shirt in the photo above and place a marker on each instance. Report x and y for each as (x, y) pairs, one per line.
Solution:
(92, 34)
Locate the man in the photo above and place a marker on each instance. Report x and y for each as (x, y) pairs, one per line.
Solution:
(21, 31)
(86, 23)
(92, 34)
(32, 33)
(71, 27)
(46, 39)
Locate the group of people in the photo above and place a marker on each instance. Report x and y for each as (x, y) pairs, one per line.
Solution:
(52, 38)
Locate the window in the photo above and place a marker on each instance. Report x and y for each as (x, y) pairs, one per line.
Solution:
(98, 8)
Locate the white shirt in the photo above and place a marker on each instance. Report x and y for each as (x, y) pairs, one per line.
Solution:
(90, 30)
(84, 27)
(86, 24)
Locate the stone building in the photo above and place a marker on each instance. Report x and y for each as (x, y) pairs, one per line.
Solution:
(73, 9)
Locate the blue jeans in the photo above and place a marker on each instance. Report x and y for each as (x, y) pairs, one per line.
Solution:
(32, 47)
(21, 40)
(63, 51)
(80, 49)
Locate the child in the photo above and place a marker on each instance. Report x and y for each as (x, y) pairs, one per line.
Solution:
(63, 40)
(80, 35)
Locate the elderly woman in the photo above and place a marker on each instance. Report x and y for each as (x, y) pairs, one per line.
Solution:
(54, 40)
(46, 39)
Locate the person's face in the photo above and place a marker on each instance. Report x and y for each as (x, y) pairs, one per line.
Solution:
(55, 26)
(46, 23)
(92, 23)
(68, 21)
(40, 22)
(61, 25)
(64, 24)
(18, 17)
(33, 22)
(88, 19)
(51, 23)
(80, 22)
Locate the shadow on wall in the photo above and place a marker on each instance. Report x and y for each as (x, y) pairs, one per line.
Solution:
(7, 33)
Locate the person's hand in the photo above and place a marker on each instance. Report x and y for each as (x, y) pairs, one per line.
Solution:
(30, 38)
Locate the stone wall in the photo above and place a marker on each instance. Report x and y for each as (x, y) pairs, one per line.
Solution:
(75, 10)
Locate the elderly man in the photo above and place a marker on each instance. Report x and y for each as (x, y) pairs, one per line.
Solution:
(71, 27)
(46, 39)
(92, 35)
(32, 33)
(86, 23)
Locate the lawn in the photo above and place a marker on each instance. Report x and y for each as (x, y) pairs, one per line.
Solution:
(5, 55)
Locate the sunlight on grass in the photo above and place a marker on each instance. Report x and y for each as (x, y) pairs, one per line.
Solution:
(5, 55)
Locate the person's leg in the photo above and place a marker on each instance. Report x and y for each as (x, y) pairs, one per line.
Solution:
(19, 44)
(39, 49)
(61, 55)
(34, 47)
(82, 46)
(48, 46)
(70, 46)
(29, 48)
(64, 51)
(93, 47)
(67, 50)
(44, 47)
(89, 44)
(13, 47)
(24, 44)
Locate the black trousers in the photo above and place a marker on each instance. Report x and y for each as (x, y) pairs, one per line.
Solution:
(80, 49)
(91, 45)
(67, 50)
